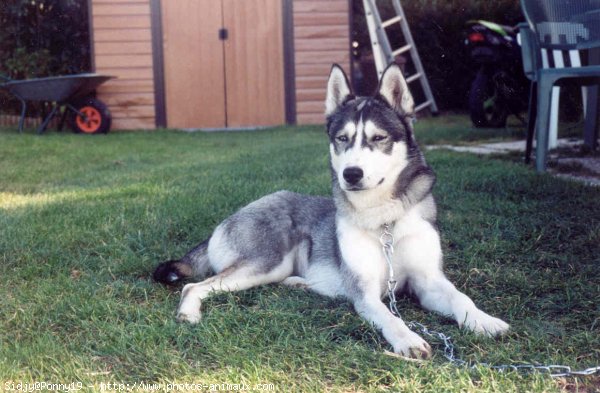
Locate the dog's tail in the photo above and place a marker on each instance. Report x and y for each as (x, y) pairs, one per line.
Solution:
(194, 263)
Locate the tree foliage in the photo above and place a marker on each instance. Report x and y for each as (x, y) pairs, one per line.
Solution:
(43, 38)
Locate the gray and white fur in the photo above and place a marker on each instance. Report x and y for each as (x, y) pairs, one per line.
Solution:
(331, 245)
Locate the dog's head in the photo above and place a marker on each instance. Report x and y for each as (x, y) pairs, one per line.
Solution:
(371, 138)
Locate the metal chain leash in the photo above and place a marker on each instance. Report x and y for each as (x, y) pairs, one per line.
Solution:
(387, 243)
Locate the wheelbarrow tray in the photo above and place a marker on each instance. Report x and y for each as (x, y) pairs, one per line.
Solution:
(66, 88)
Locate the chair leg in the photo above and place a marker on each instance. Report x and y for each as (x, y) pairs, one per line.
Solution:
(553, 128)
(543, 122)
(590, 135)
(531, 118)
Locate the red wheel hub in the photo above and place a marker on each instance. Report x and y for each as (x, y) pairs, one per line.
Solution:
(92, 120)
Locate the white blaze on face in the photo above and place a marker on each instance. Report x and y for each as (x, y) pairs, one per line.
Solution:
(381, 162)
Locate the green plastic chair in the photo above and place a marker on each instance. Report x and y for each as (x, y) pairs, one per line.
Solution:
(562, 45)
(531, 59)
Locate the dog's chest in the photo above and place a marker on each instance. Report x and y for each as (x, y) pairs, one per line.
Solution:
(363, 252)
(362, 255)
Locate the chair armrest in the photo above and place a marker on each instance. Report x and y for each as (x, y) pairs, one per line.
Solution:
(529, 51)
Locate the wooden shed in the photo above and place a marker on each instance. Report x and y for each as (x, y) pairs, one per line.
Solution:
(217, 63)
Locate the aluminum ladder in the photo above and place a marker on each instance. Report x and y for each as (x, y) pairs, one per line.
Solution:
(384, 55)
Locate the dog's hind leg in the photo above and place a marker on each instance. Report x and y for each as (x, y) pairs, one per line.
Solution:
(240, 276)
(296, 282)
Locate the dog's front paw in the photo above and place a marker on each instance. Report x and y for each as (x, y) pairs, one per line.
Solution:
(482, 323)
(412, 346)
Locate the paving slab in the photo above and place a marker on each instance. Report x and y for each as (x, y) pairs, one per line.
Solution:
(566, 161)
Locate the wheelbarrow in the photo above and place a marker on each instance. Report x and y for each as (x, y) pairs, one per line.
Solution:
(86, 113)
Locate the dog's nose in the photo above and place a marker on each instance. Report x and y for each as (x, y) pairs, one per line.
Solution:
(353, 174)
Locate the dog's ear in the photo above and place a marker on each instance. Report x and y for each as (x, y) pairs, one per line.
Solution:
(338, 89)
(394, 90)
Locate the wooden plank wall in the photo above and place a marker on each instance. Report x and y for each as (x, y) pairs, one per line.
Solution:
(321, 37)
(123, 48)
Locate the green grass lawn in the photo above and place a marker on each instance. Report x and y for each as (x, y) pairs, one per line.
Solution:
(84, 220)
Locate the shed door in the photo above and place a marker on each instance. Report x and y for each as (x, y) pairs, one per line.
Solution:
(254, 62)
(193, 63)
(232, 82)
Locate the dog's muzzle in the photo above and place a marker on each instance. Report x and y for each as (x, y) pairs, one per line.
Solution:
(353, 175)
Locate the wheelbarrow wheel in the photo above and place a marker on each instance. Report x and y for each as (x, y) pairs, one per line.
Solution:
(93, 117)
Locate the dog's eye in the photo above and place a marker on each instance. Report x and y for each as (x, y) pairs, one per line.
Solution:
(379, 138)
(342, 138)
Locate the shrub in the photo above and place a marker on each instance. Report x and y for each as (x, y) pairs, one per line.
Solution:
(42, 38)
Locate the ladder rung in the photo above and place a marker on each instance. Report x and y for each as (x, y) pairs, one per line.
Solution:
(423, 105)
(399, 51)
(390, 22)
(384, 54)
(413, 77)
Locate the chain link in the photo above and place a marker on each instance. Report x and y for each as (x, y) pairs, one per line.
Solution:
(555, 371)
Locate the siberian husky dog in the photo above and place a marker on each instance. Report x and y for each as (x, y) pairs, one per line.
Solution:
(332, 245)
